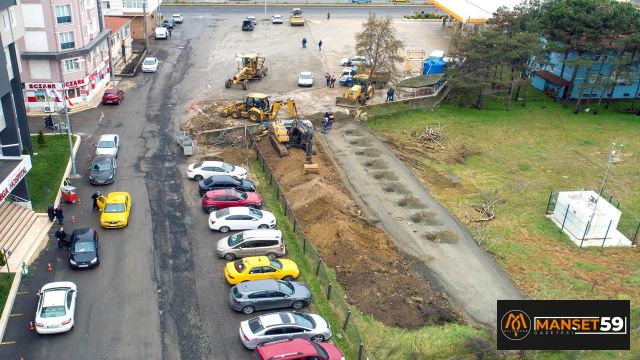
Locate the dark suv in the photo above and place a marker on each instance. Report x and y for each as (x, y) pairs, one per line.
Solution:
(225, 182)
(84, 249)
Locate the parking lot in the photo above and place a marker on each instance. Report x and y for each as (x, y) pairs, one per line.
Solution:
(160, 291)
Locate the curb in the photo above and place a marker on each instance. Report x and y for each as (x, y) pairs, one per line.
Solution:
(135, 69)
(300, 4)
(8, 305)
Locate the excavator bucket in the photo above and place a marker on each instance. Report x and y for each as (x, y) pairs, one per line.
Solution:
(346, 102)
(310, 169)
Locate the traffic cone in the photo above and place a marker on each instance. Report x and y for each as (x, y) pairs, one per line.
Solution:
(31, 327)
(49, 267)
(73, 218)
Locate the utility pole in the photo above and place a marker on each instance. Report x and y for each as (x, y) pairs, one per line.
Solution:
(612, 155)
(144, 19)
(74, 173)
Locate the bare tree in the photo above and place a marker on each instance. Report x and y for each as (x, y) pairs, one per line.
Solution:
(378, 42)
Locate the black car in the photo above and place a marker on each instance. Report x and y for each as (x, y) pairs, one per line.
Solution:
(84, 249)
(169, 23)
(103, 170)
(247, 25)
(225, 182)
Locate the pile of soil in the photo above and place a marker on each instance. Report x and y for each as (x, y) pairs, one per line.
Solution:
(206, 116)
(377, 278)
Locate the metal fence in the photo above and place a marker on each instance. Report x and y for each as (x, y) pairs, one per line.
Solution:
(334, 295)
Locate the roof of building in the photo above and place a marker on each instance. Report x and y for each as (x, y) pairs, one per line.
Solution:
(552, 78)
(115, 23)
(473, 11)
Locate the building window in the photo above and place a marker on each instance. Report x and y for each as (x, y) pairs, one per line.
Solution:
(135, 4)
(7, 55)
(106, 5)
(5, 20)
(66, 40)
(12, 17)
(63, 14)
(88, 4)
(71, 65)
(127, 30)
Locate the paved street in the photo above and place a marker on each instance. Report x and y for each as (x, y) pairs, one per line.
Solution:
(160, 291)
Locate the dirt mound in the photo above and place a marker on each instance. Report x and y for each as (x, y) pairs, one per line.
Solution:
(377, 279)
(206, 116)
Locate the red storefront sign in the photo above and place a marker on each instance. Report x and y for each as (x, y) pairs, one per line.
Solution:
(14, 178)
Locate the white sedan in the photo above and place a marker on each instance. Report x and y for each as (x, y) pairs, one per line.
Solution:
(356, 60)
(205, 169)
(305, 79)
(56, 307)
(109, 144)
(277, 19)
(150, 64)
(241, 218)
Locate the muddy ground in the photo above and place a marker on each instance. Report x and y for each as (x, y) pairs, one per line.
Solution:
(377, 278)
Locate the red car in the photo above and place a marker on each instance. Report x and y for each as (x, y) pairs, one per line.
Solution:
(112, 96)
(297, 349)
(214, 200)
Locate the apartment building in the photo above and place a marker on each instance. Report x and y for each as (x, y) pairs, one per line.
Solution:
(121, 40)
(133, 9)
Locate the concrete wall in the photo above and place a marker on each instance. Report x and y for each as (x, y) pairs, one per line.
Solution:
(423, 102)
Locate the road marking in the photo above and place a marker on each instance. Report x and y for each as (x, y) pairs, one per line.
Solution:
(22, 292)
(7, 343)
(15, 315)
(101, 116)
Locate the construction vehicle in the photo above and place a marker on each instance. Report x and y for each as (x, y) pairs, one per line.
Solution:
(296, 18)
(256, 107)
(250, 67)
(361, 91)
(297, 133)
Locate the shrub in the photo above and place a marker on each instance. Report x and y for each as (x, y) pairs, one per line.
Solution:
(41, 140)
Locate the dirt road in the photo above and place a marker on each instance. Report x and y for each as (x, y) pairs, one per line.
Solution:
(392, 195)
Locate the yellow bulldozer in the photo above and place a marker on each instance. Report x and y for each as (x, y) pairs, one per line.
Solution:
(361, 91)
(250, 67)
(257, 108)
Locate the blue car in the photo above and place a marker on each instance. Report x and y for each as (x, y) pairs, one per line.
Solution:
(361, 1)
(346, 77)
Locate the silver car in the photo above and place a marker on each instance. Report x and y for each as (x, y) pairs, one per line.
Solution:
(265, 242)
(250, 296)
(282, 326)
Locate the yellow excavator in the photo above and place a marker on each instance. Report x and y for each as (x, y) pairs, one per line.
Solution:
(285, 134)
(250, 67)
(361, 91)
(257, 108)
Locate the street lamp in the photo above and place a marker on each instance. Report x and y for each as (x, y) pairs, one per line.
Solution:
(74, 172)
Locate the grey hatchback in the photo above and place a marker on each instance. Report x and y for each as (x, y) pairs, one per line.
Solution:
(250, 296)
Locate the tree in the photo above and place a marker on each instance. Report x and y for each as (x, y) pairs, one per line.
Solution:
(41, 139)
(378, 42)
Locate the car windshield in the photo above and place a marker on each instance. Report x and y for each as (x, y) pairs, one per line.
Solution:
(222, 213)
(236, 293)
(227, 167)
(197, 165)
(285, 287)
(102, 166)
(255, 325)
(114, 208)
(277, 16)
(149, 62)
(276, 264)
(305, 76)
(106, 144)
(256, 213)
(84, 247)
(235, 239)
(53, 311)
(239, 265)
(304, 320)
(320, 350)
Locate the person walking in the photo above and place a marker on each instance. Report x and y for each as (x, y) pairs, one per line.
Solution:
(304, 43)
(61, 236)
(59, 214)
(320, 45)
(333, 81)
(330, 119)
(95, 197)
(328, 16)
(50, 212)
(327, 77)
(325, 123)
(390, 94)
(169, 31)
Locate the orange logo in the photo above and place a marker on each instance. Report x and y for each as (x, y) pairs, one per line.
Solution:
(515, 324)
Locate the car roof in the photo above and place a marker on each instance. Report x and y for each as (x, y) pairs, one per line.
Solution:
(83, 232)
(258, 95)
(238, 210)
(107, 137)
(117, 196)
(212, 163)
(222, 192)
(276, 319)
(100, 158)
(258, 285)
(176, 15)
(279, 349)
(59, 284)
(276, 15)
(220, 178)
(305, 73)
(111, 90)
(253, 261)
(54, 296)
(262, 233)
(151, 57)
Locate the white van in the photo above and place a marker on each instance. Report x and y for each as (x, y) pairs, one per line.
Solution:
(162, 33)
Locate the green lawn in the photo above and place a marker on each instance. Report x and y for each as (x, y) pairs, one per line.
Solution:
(49, 162)
(521, 155)
(5, 286)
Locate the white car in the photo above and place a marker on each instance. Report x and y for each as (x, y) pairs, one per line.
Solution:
(150, 64)
(253, 19)
(109, 144)
(277, 19)
(241, 218)
(162, 33)
(177, 18)
(205, 169)
(305, 78)
(56, 307)
(283, 326)
(355, 60)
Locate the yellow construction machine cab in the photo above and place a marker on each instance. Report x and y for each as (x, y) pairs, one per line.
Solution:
(258, 101)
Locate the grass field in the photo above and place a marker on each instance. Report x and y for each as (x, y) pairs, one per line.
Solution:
(5, 286)
(518, 157)
(49, 162)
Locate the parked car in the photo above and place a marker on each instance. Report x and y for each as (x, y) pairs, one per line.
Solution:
(305, 78)
(177, 18)
(150, 64)
(103, 170)
(267, 242)
(112, 96)
(355, 60)
(247, 25)
(115, 209)
(241, 218)
(215, 200)
(250, 296)
(84, 249)
(205, 169)
(298, 349)
(253, 20)
(283, 326)
(56, 307)
(225, 182)
(277, 19)
(361, 1)
(161, 33)
(346, 77)
(108, 144)
(168, 23)
(260, 268)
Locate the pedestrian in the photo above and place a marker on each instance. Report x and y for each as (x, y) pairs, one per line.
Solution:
(330, 119)
(95, 197)
(61, 236)
(328, 16)
(390, 94)
(59, 214)
(327, 77)
(320, 45)
(50, 212)
(325, 123)
(333, 81)
(169, 31)
(304, 43)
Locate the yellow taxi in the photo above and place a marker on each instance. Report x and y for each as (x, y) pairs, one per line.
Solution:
(115, 209)
(260, 268)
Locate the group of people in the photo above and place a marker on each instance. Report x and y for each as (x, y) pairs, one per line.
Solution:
(304, 44)
(57, 213)
(331, 80)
